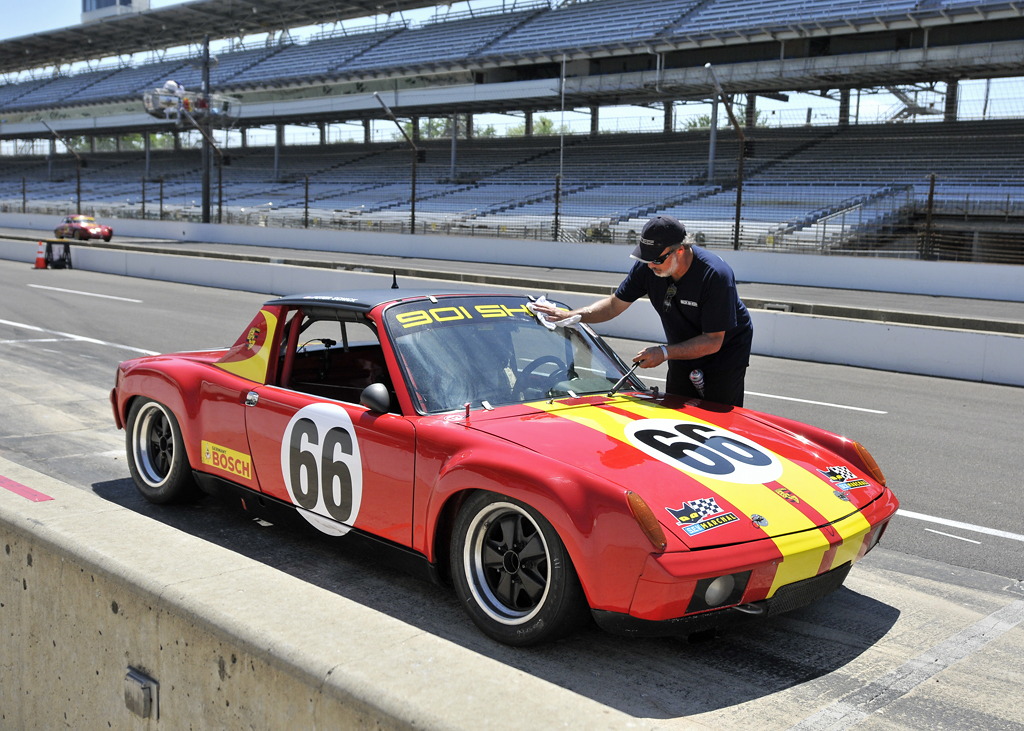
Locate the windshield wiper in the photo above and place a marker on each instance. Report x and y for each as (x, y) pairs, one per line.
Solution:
(622, 380)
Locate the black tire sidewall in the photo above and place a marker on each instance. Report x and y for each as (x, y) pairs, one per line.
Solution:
(179, 484)
(564, 606)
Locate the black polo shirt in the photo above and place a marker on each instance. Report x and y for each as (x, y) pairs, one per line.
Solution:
(705, 301)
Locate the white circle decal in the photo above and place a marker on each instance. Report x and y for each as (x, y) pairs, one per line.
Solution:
(705, 450)
(321, 467)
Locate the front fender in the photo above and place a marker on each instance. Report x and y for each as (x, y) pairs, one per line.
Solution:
(591, 516)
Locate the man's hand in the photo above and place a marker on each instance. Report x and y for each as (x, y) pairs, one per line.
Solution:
(553, 313)
(650, 357)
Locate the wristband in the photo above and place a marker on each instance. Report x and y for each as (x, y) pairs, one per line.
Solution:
(664, 351)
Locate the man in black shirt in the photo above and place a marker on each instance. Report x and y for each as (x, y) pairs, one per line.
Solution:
(694, 291)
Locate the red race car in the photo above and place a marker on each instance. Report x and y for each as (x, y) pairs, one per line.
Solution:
(461, 437)
(81, 228)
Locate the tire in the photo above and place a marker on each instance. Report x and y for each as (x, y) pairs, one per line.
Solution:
(58, 234)
(156, 454)
(521, 594)
(78, 235)
(106, 238)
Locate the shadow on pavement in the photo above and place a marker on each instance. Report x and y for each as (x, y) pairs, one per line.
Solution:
(646, 678)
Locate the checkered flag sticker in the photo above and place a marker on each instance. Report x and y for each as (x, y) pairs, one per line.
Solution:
(840, 473)
(705, 506)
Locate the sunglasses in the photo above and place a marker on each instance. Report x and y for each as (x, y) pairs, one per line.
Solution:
(661, 259)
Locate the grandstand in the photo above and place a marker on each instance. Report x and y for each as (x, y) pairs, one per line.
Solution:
(846, 187)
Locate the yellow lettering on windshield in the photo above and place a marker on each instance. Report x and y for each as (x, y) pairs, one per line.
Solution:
(412, 319)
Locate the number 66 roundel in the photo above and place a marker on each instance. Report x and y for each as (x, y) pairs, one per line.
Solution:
(321, 467)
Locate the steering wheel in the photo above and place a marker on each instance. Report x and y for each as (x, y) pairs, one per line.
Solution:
(556, 375)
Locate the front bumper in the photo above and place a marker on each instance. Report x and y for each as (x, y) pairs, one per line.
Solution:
(786, 599)
(672, 586)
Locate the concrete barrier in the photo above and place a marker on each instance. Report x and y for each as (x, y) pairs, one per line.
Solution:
(931, 351)
(947, 279)
(233, 644)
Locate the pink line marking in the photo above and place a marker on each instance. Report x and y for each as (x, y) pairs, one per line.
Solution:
(26, 492)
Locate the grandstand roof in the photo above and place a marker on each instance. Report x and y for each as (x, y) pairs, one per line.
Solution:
(182, 24)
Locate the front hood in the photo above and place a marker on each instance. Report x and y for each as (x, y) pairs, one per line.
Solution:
(713, 477)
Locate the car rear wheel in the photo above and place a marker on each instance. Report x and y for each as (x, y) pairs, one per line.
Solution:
(156, 453)
(106, 238)
(512, 572)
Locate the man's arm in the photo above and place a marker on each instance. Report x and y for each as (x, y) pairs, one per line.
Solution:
(600, 311)
(696, 347)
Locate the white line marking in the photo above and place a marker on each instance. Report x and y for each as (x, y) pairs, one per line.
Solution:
(961, 526)
(87, 294)
(79, 338)
(816, 403)
(950, 535)
(886, 690)
(788, 398)
(32, 340)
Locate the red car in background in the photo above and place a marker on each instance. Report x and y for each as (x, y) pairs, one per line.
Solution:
(525, 465)
(81, 228)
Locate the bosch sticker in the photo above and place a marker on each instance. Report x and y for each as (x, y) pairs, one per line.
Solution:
(228, 460)
(697, 516)
(322, 468)
(705, 451)
(842, 478)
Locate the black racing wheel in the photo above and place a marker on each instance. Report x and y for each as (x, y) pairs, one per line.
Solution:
(512, 572)
(156, 453)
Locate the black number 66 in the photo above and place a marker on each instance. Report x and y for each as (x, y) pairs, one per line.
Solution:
(329, 469)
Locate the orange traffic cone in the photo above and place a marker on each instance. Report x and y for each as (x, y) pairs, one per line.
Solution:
(41, 256)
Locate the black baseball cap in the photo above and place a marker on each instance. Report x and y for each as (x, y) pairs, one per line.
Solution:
(659, 232)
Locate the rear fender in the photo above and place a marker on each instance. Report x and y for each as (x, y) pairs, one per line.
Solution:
(158, 386)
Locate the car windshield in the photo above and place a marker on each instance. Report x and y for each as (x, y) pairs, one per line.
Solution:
(477, 349)
(84, 219)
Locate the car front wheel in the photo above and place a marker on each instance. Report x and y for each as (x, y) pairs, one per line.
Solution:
(512, 572)
(156, 453)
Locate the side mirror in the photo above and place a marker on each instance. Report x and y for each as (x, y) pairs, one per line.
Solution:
(376, 398)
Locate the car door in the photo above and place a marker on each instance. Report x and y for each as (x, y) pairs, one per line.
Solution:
(339, 463)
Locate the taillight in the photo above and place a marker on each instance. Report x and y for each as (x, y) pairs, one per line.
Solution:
(869, 463)
(646, 519)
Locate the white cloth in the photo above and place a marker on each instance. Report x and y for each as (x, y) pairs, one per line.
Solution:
(550, 324)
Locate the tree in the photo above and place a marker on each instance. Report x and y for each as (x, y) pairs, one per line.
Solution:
(541, 126)
(703, 121)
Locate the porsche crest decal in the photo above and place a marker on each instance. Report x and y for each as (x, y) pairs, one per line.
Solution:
(249, 357)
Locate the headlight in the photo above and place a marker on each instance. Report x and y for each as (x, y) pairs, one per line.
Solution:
(719, 590)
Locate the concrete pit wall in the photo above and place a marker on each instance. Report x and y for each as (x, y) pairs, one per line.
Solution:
(89, 589)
